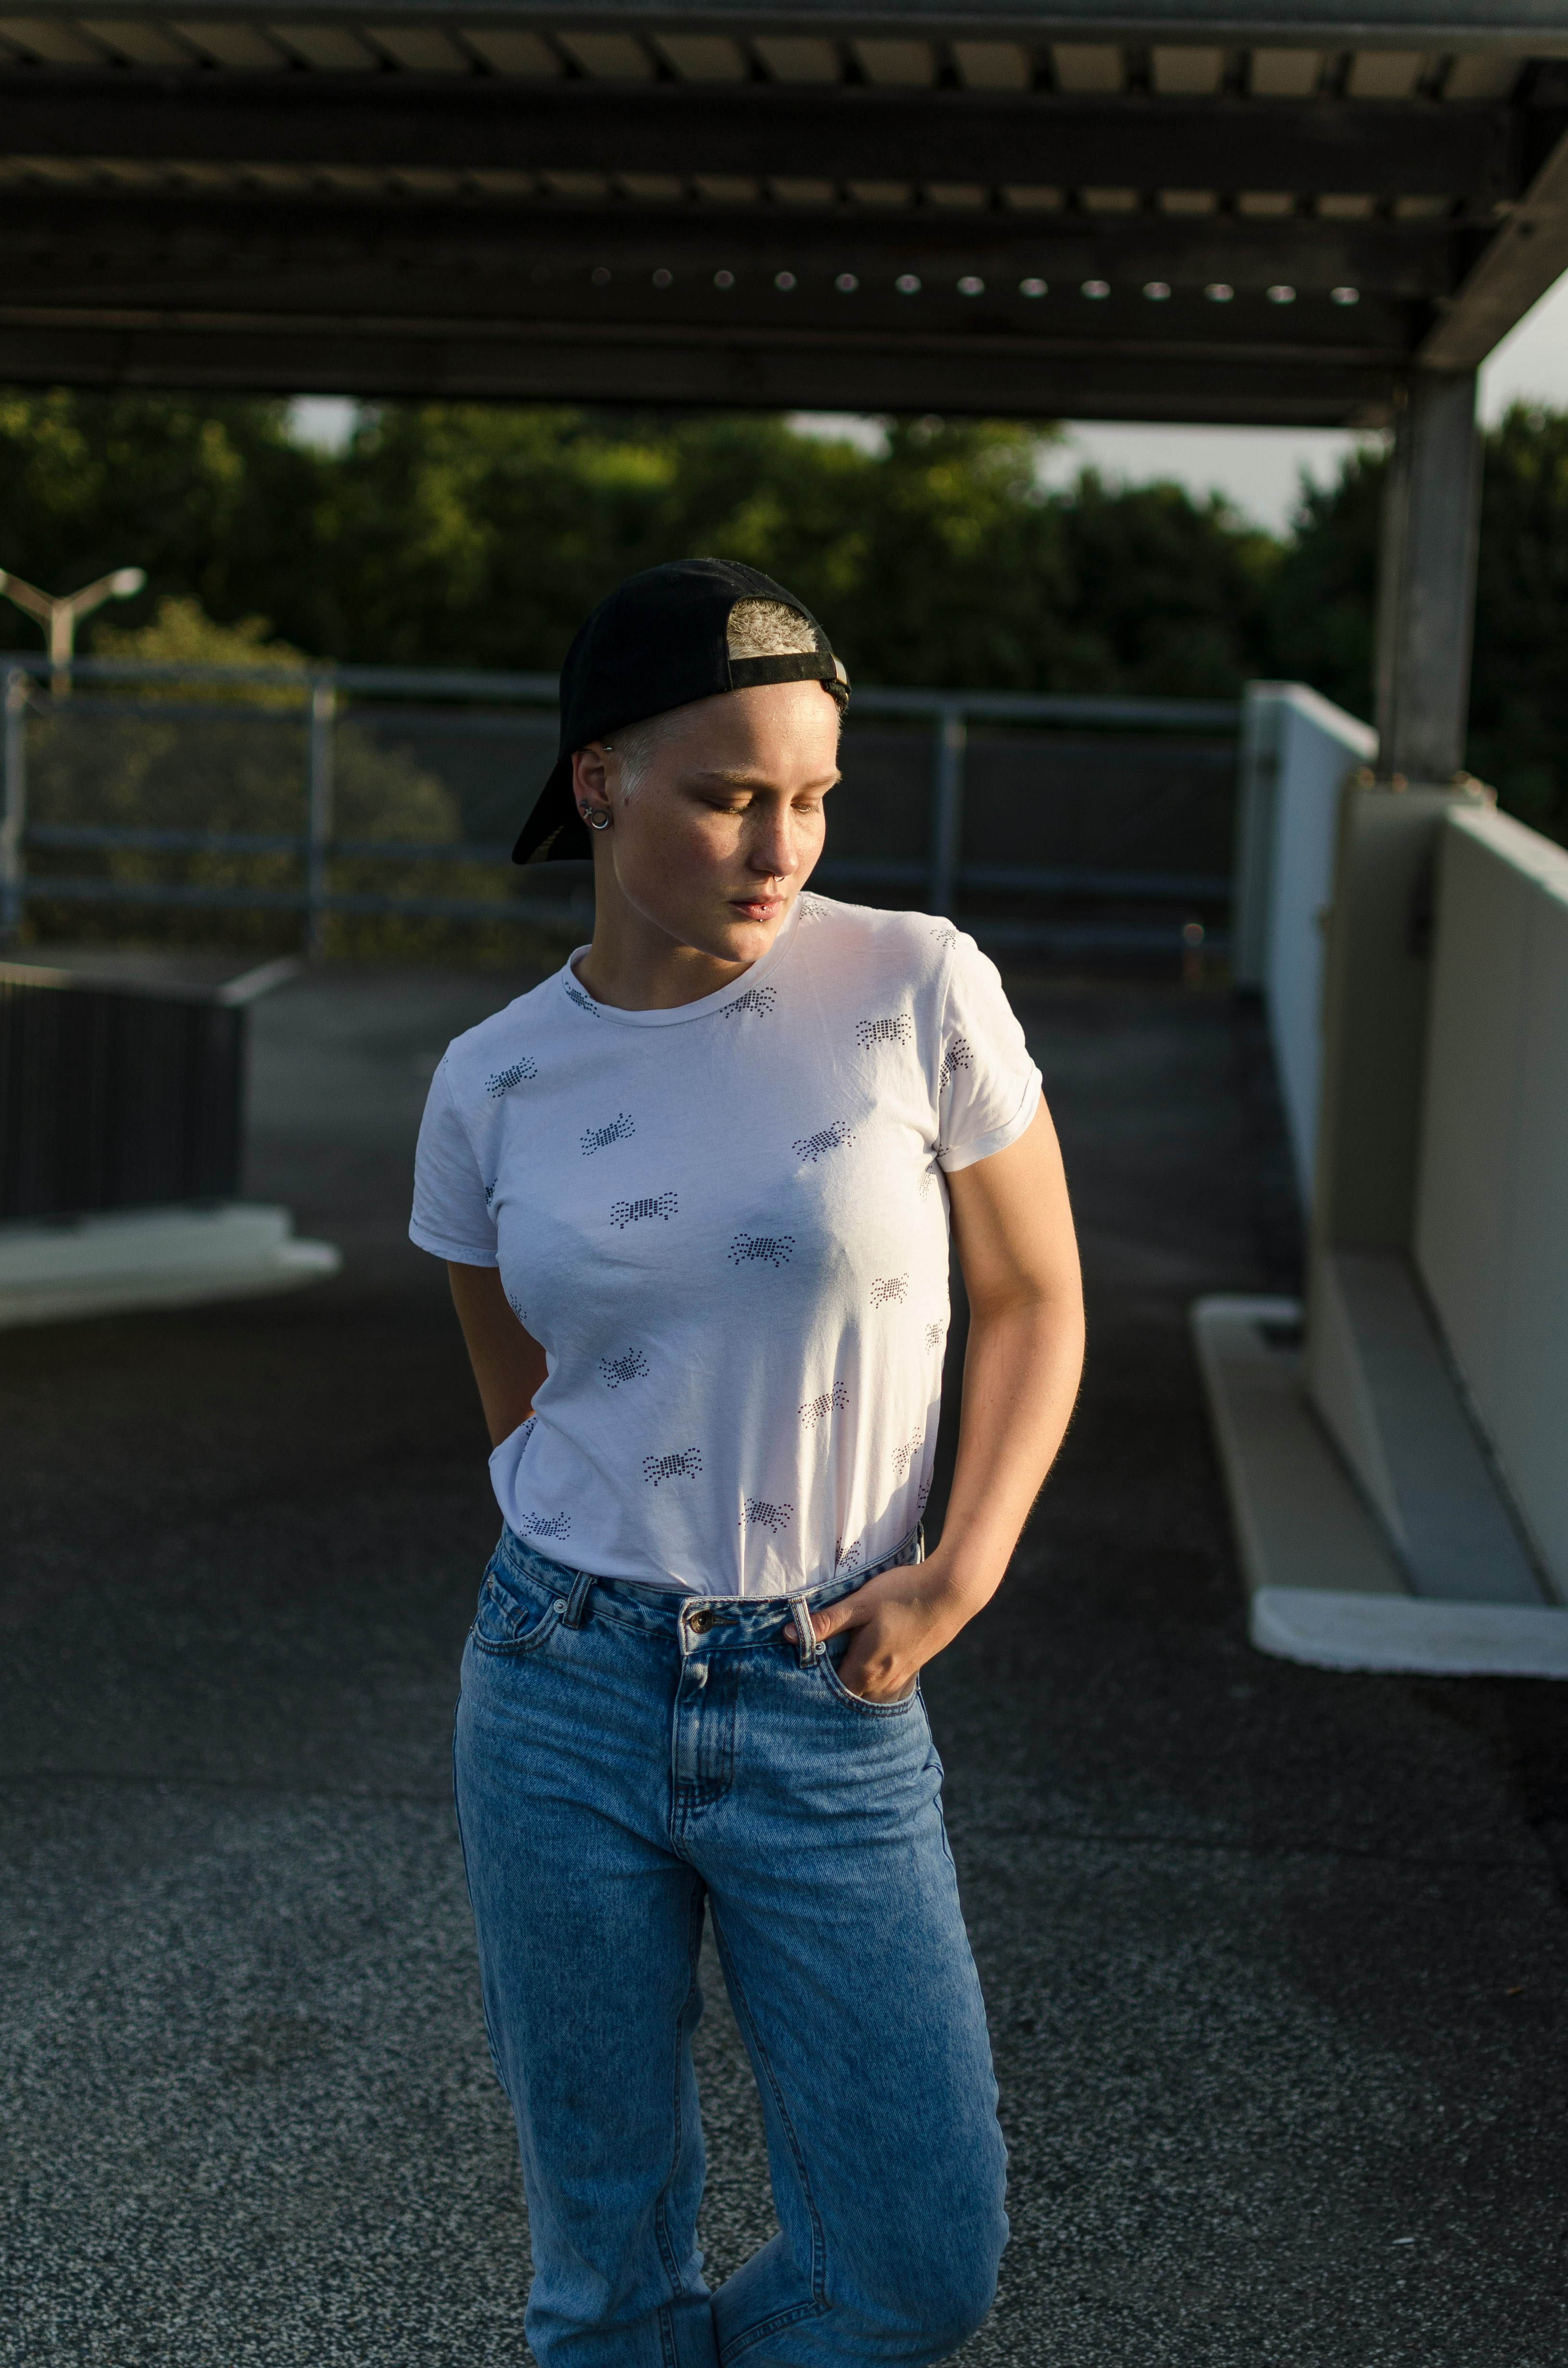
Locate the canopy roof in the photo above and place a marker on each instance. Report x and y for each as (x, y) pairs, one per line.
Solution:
(1165, 210)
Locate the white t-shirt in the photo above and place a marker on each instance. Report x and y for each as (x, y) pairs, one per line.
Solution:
(726, 1225)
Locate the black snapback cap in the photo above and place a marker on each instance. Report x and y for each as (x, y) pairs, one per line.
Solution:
(661, 640)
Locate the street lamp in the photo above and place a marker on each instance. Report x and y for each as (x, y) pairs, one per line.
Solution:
(59, 612)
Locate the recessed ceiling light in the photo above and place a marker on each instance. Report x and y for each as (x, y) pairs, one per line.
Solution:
(907, 284)
(1098, 288)
(663, 279)
(785, 279)
(970, 286)
(1346, 295)
(1281, 294)
(723, 280)
(1156, 291)
(1219, 292)
(847, 283)
(1033, 287)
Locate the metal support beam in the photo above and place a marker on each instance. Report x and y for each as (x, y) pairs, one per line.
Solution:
(454, 357)
(1426, 589)
(844, 264)
(1388, 149)
(1513, 272)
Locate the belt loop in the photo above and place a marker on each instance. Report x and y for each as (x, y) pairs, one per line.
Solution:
(806, 1644)
(578, 1601)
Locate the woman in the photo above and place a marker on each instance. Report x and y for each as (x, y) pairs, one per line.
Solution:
(694, 1192)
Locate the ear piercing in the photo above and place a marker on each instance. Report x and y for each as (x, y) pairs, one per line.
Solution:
(595, 821)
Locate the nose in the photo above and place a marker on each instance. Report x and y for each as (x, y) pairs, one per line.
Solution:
(772, 852)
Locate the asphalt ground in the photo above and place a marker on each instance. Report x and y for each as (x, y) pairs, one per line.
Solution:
(1274, 1958)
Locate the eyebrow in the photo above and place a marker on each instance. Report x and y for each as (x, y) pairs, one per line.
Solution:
(737, 778)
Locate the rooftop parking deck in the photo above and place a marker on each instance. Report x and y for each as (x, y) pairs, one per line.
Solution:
(1274, 1957)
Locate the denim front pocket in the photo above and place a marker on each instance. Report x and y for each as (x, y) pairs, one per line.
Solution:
(828, 1664)
(513, 1622)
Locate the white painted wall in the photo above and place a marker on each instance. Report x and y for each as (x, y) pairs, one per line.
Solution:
(1492, 1208)
(1297, 749)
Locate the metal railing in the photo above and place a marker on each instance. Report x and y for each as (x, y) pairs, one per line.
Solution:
(319, 700)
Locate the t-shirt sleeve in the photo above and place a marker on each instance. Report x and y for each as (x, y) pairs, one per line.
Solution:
(450, 1217)
(988, 1088)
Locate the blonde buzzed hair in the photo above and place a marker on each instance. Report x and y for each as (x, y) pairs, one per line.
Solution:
(766, 629)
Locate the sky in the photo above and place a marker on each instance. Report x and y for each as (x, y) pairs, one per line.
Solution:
(1257, 469)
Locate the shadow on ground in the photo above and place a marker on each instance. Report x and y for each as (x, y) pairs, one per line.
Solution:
(1274, 1958)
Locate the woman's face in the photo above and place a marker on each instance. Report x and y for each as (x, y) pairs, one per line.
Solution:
(722, 832)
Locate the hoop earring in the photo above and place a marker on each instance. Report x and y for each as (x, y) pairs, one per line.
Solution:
(595, 821)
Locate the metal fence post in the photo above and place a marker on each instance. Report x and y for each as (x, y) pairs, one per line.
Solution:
(14, 812)
(318, 780)
(947, 811)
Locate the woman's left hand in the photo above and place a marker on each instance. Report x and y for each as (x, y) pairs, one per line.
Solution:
(900, 1620)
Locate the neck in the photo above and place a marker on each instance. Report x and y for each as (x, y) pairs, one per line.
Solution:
(634, 965)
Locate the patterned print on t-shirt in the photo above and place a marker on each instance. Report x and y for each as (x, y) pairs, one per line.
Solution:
(519, 1074)
(838, 1135)
(631, 1212)
(956, 1056)
(815, 1408)
(899, 1030)
(583, 1002)
(774, 1249)
(558, 1526)
(760, 999)
(889, 1286)
(599, 1138)
(934, 1335)
(760, 1514)
(630, 1368)
(846, 1558)
(902, 1457)
(684, 1464)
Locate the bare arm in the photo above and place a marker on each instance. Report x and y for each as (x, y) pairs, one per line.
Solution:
(508, 1363)
(1013, 1230)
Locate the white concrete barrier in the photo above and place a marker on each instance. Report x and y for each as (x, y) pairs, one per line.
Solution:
(1297, 749)
(112, 1264)
(1492, 1202)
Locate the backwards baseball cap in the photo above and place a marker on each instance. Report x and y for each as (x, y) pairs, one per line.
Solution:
(661, 640)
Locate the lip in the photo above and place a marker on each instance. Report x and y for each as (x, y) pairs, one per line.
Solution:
(756, 908)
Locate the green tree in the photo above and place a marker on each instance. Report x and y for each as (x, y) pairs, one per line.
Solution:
(1519, 710)
(228, 758)
(210, 496)
(1323, 596)
(1323, 606)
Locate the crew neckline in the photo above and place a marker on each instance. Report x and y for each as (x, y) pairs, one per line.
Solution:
(576, 993)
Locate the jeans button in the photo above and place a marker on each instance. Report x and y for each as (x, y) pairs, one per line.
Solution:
(699, 1623)
(559, 1604)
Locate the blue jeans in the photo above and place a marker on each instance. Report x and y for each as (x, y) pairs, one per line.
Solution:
(626, 1757)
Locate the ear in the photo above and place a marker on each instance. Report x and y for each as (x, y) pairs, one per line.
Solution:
(590, 780)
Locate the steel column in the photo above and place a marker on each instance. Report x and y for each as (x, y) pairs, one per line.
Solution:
(14, 804)
(1426, 588)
